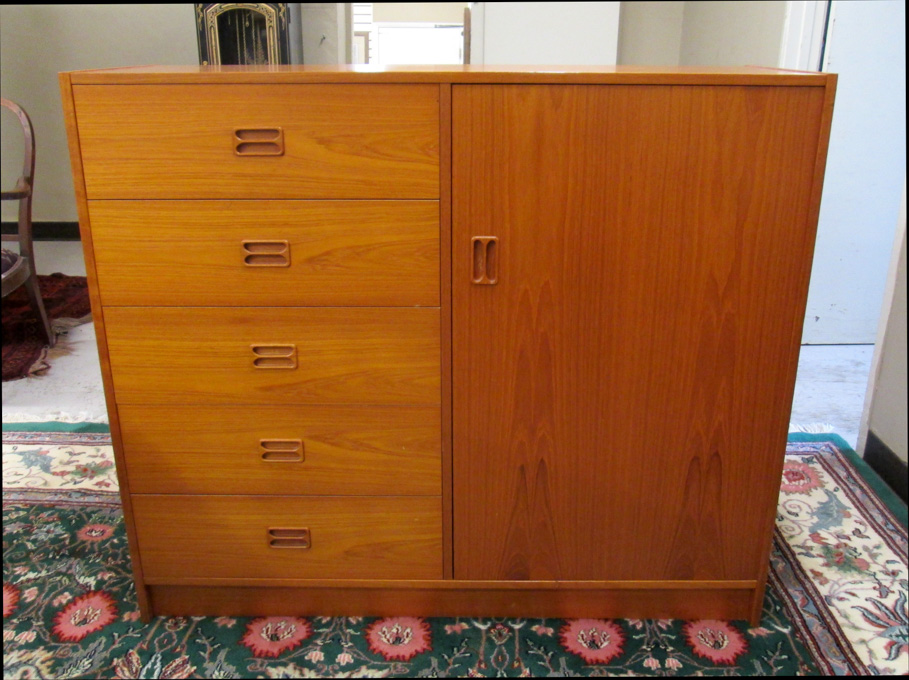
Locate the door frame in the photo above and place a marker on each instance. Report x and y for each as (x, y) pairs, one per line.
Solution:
(805, 34)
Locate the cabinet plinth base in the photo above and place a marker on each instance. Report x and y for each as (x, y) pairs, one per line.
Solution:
(729, 603)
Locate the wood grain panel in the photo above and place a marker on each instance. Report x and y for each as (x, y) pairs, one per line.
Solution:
(463, 600)
(75, 155)
(226, 536)
(202, 355)
(182, 253)
(814, 206)
(346, 450)
(470, 73)
(622, 393)
(445, 317)
(340, 141)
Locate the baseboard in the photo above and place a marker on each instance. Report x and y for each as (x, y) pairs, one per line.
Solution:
(46, 231)
(887, 464)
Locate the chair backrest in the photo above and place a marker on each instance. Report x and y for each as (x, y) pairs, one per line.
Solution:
(22, 192)
(28, 165)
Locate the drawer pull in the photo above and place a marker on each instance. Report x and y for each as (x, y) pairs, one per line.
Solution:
(266, 253)
(485, 259)
(274, 356)
(281, 450)
(259, 142)
(289, 538)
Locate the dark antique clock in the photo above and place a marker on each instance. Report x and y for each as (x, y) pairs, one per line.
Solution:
(243, 33)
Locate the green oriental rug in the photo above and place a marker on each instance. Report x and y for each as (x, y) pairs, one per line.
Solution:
(836, 602)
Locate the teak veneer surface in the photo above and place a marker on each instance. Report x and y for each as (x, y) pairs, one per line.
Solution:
(473, 73)
(598, 433)
(352, 537)
(202, 355)
(182, 253)
(464, 599)
(347, 450)
(72, 134)
(445, 318)
(623, 391)
(341, 141)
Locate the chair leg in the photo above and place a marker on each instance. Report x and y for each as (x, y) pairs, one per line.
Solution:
(34, 296)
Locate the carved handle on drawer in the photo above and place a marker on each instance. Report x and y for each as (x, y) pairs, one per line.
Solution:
(266, 253)
(289, 538)
(485, 259)
(274, 356)
(259, 142)
(281, 450)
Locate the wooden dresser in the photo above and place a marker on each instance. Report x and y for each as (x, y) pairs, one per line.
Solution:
(449, 340)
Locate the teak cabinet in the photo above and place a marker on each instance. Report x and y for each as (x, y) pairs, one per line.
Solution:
(455, 341)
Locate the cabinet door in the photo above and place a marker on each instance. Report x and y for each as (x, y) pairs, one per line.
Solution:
(622, 391)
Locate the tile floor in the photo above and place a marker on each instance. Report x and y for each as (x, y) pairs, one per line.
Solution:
(829, 392)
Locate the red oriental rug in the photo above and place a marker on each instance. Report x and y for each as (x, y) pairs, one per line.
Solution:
(25, 351)
(836, 603)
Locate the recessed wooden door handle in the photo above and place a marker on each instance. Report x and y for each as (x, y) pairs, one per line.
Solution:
(274, 356)
(484, 250)
(266, 253)
(289, 538)
(281, 450)
(259, 141)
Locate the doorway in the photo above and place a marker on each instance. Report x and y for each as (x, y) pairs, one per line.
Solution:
(388, 33)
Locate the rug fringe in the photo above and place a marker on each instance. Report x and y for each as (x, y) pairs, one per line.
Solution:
(40, 366)
(812, 428)
(48, 355)
(66, 323)
(55, 416)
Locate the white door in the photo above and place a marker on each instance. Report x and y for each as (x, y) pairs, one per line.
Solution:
(866, 167)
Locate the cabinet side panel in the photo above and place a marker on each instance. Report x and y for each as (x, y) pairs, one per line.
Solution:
(800, 304)
(622, 392)
(72, 133)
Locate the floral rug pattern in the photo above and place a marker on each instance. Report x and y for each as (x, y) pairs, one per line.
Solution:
(853, 553)
(52, 462)
(836, 601)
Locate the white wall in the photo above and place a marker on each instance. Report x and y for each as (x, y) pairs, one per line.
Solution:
(38, 41)
(326, 30)
(650, 33)
(698, 33)
(545, 33)
(295, 32)
(732, 33)
(886, 402)
(866, 165)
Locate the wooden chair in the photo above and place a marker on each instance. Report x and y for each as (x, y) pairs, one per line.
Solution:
(18, 269)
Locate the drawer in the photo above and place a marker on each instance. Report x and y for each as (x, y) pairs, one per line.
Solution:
(311, 450)
(288, 537)
(292, 253)
(259, 141)
(274, 355)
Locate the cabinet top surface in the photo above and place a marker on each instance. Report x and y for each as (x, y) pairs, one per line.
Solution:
(619, 75)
